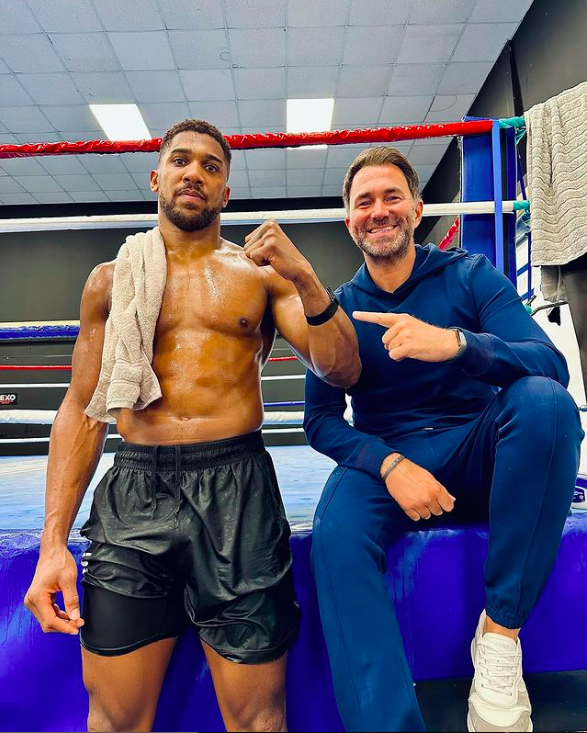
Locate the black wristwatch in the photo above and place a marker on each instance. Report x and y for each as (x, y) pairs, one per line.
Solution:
(326, 314)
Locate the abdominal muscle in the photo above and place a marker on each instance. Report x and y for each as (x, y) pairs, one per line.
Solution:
(211, 390)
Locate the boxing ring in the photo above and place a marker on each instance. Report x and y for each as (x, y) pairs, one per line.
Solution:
(438, 572)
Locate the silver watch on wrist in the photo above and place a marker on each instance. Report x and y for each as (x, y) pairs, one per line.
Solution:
(462, 341)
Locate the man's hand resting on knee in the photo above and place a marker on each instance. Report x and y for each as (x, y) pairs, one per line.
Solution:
(416, 490)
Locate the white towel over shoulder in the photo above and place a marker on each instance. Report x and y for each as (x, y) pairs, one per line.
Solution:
(557, 183)
(127, 378)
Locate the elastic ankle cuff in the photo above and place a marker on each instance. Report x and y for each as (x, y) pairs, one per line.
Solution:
(509, 620)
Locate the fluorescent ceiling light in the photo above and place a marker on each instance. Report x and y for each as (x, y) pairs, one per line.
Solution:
(121, 121)
(309, 115)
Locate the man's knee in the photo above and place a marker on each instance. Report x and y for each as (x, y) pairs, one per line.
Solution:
(251, 717)
(540, 402)
(110, 715)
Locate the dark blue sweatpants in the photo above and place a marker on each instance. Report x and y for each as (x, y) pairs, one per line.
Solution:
(516, 465)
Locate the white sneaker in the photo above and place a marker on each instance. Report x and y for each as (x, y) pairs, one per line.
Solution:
(499, 699)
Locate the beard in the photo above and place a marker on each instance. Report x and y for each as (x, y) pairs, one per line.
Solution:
(189, 220)
(391, 248)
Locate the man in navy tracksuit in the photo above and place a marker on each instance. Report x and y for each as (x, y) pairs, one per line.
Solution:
(462, 399)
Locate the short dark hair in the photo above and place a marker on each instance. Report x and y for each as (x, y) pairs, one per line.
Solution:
(381, 155)
(201, 127)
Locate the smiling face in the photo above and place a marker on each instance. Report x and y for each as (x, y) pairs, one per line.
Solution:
(191, 181)
(383, 214)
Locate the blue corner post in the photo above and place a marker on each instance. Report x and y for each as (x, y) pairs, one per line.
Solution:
(482, 179)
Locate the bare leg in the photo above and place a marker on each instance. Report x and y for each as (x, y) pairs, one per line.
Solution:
(251, 696)
(124, 690)
(492, 628)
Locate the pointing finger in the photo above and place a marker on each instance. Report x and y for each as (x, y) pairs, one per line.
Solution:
(383, 319)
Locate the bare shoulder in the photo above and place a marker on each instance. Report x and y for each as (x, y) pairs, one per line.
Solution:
(98, 289)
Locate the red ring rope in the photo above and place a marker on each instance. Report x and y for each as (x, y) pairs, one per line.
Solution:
(259, 140)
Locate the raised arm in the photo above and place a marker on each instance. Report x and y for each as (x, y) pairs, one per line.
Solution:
(330, 349)
(76, 445)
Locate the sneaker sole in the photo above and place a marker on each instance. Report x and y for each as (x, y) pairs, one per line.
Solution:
(471, 729)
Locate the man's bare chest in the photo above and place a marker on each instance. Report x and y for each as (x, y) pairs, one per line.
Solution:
(229, 298)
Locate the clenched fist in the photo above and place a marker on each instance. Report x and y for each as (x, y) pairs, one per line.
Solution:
(407, 337)
(269, 245)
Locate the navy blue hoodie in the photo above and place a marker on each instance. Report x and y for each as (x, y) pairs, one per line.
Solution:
(392, 400)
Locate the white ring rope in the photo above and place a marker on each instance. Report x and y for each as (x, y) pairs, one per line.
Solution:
(47, 417)
(141, 221)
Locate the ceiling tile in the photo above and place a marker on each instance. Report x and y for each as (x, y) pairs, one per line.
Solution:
(141, 179)
(257, 48)
(260, 83)
(239, 193)
(410, 110)
(63, 16)
(139, 162)
(356, 111)
(488, 11)
(71, 118)
(156, 86)
(309, 82)
(192, 14)
(304, 191)
(131, 15)
(85, 51)
(223, 113)
(125, 195)
(334, 177)
(306, 158)
(200, 49)
(142, 51)
(211, 85)
(450, 108)
(12, 94)
(317, 12)
(332, 190)
(114, 181)
(422, 153)
(373, 44)
(263, 113)
(84, 135)
(238, 179)
(9, 185)
(62, 164)
(483, 41)
(159, 116)
(89, 197)
(342, 155)
(409, 78)
(23, 167)
(76, 183)
(55, 197)
(461, 78)
(442, 11)
(273, 192)
(18, 198)
(370, 81)
(238, 161)
(3, 68)
(305, 176)
(429, 44)
(264, 159)
(43, 184)
(103, 164)
(109, 87)
(25, 119)
(39, 137)
(255, 13)
(29, 53)
(424, 173)
(15, 17)
(314, 46)
(267, 178)
(382, 12)
(6, 139)
(51, 88)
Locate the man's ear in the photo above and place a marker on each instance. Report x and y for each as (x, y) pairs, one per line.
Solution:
(347, 221)
(225, 197)
(419, 210)
(154, 181)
